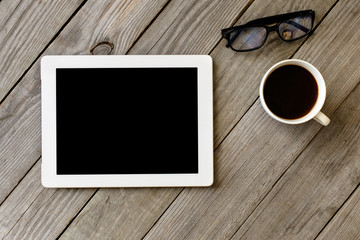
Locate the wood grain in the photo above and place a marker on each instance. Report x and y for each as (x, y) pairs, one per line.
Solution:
(20, 113)
(189, 27)
(26, 27)
(30, 212)
(317, 184)
(124, 214)
(20, 133)
(259, 150)
(174, 35)
(20, 127)
(180, 20)
(346, 223)
(238, 75)
(244, 173)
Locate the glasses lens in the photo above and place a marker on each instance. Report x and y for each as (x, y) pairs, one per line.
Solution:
(295, 28)
(248, 38)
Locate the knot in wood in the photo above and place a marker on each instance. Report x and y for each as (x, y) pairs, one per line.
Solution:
(102, 48)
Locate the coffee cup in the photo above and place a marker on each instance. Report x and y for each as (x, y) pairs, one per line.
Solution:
(293, 91)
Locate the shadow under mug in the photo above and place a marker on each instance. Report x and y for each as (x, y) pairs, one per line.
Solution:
(315, 112)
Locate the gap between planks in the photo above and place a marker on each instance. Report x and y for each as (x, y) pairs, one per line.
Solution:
(41, 52)
(177, 195)
(337, 104)
(336, 214)
(60, 48)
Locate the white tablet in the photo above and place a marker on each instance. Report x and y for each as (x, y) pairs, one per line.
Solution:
(127, 121)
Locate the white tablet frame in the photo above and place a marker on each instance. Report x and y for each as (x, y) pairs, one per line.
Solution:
(50, 179)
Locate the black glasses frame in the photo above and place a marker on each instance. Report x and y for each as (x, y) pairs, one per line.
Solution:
(263, 22)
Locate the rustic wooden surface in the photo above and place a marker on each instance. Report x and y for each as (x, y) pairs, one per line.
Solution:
(272, 181)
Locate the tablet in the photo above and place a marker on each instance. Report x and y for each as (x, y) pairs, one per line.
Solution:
(127, 121)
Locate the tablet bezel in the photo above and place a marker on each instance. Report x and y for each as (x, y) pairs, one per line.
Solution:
(204, 177)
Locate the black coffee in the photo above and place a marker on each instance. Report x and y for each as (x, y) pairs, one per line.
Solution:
(290, 92)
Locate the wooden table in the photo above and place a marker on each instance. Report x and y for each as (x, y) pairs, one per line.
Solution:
(272, 180)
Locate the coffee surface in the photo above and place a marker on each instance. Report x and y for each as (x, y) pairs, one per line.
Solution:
(290, 92)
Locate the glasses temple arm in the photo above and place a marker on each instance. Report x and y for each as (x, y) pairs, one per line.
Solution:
(280, 18)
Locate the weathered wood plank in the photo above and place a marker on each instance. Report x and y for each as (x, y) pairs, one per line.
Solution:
(26, 27)
(259, 150)
(232, 99)
(316, 185)
(82, 222)
(238, 75)
(20, 133)
(20, 112)
(31, 211)
(120, 213)
(346, 223)
(189, 27)
(85, 51)
(173, 25)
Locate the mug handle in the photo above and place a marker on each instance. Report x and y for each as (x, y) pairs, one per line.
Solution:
(322, 118)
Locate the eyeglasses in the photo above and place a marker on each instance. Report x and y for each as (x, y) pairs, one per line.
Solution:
(252, 35)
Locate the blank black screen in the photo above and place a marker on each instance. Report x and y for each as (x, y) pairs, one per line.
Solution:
(126, 120)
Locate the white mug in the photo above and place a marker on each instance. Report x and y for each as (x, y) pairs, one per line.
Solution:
(315, 111)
